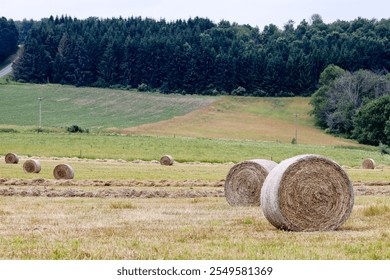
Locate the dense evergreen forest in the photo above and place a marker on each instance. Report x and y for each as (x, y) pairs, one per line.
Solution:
(9, 36)
(198, 55)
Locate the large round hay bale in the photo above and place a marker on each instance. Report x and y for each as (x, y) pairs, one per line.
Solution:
(307, 193)
(166, 160)
(32, 166)
(244, 181)
(368, 163)
(63, 171)
(11, 158)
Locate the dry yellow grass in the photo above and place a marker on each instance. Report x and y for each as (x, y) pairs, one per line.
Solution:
(261, 120)
(192, 228)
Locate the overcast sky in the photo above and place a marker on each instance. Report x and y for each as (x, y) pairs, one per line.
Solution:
(253, 12)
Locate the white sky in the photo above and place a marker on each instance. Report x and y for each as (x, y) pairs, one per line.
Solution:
(253, 12)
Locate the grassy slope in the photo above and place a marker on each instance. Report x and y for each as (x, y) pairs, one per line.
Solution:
(247, 118)
(91, 108)
(242, 118)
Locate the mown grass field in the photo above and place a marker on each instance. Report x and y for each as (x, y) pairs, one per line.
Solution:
(206, 136)
(90, 108)
(178, 229)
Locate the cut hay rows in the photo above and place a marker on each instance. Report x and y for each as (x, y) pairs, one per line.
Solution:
(166, 160)
(32, 166)
(11, 158)
(307, 193)
(244, 182)
(368, 163)
(63, 171)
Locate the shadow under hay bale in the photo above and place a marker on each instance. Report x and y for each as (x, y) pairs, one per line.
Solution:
(244, 182)
(63, 171)
(368, 163)
(307, 193)
(32, 166)
(166, 160)
(11, 158)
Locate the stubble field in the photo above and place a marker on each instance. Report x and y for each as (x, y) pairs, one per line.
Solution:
(184, 217)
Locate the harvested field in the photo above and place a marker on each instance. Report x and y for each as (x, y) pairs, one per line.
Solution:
(108, 193)
(107, 213)
(141, 188)
(177, 229)
(119, 175)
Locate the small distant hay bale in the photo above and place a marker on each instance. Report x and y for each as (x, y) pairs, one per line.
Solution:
(244, 182)
(11, 158)
(63, 171)
(368, 163)
(32, 166)
(307, 193)
(166, 160)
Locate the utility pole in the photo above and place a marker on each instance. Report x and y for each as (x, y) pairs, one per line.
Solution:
(296, 127)
(40, 113)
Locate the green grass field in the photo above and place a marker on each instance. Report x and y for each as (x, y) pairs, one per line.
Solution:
(183, 149)
(90, 108)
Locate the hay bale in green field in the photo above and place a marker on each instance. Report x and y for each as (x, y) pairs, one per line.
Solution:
(32, 166)
(166, 160)
(368, 163)
(11, 158)
(63, 171)
(244, 182)
(307, 193)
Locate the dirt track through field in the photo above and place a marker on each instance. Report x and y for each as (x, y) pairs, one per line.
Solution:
(140, 188)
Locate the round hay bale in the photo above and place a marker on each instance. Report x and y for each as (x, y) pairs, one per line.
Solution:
(368, 163)
(32, 166)
(307, 193)
(11, 158)
(244, 181)
(63, 171)
(166, 160)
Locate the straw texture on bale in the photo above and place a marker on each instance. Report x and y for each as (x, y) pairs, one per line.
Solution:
(32, 166)
(166, 160)
(244, 182)
(368, 163)
(11, 158)
(63, 171)
(307, 193)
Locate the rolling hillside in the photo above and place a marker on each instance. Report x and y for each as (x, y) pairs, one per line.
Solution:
(91, 108)
(247, 118)
(130, 112)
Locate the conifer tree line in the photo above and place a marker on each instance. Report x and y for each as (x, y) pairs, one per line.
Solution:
(9, 37)
(198, 55)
